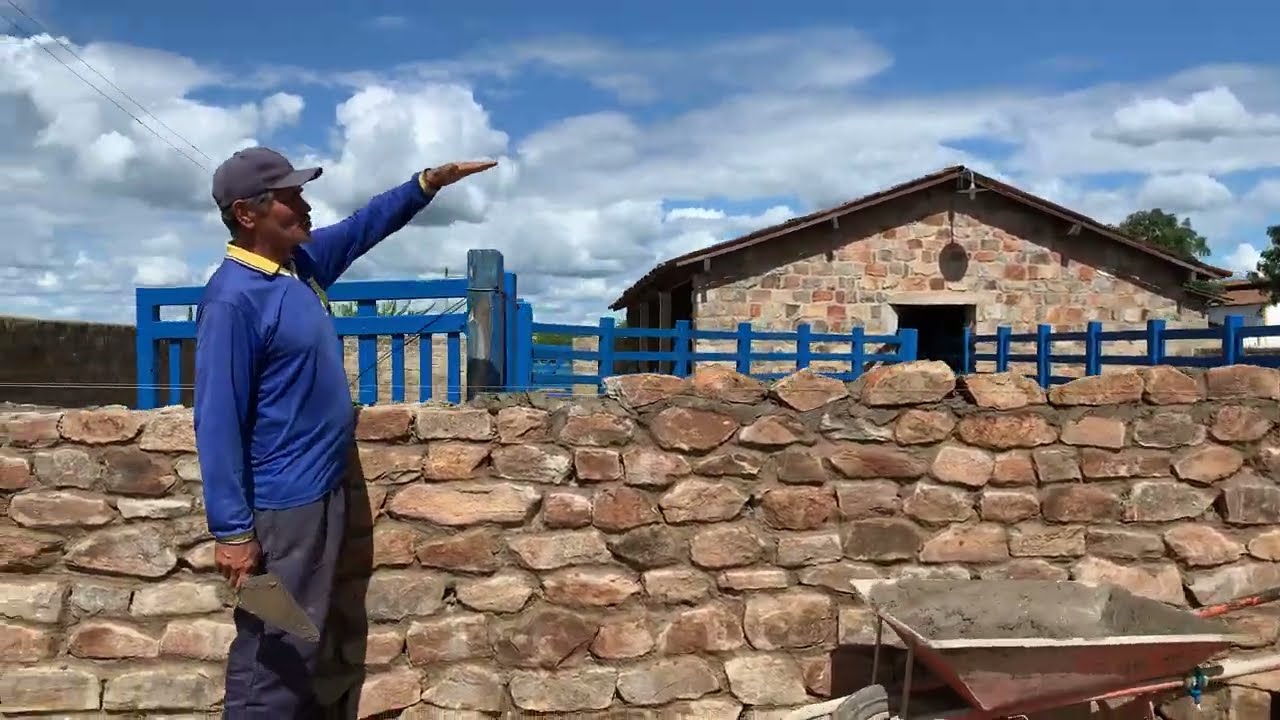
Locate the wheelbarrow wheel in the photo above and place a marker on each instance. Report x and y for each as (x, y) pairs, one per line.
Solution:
(869, 703)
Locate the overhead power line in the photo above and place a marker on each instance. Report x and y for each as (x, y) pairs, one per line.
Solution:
(105, 79)
(15, 25)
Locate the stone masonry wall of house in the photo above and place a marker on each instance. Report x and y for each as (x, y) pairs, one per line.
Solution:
(1018, 267)
(678, 548)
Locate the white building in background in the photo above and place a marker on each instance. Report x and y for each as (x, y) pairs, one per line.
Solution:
(1250, 300)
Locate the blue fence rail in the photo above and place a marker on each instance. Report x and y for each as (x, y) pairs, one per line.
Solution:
(684, 356)
(157, 338)
(502, 352)
(1155, 338)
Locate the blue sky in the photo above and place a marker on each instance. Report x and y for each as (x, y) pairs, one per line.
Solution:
(606, 120)
(939, 44)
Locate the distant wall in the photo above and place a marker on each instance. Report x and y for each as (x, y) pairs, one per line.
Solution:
(58, 363)
(73, 364)
(681, 549)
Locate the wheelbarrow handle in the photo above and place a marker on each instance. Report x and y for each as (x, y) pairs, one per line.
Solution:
(1246, 601)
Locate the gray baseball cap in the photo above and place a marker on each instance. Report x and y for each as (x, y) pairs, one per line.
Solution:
(253, 171)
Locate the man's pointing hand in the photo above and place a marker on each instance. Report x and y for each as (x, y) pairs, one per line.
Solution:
(450, 173)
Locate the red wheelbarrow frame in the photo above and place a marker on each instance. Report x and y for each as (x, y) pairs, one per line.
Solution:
(1179, 662)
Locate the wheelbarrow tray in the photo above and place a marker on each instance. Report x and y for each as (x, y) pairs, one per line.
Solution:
(1007, 644)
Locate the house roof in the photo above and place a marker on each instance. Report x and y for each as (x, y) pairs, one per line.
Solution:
(671, 272)
(1245, 292)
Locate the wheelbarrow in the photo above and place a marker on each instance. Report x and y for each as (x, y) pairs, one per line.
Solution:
(1014, 648)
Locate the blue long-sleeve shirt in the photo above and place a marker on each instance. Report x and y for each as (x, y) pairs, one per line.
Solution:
(273, 414)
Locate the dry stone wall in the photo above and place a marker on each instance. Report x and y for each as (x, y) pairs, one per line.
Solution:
(681, 548)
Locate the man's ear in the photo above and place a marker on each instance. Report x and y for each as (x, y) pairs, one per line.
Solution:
(245, 214)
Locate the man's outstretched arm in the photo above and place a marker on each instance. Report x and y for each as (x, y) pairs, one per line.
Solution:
(226, 350)
(334, 248)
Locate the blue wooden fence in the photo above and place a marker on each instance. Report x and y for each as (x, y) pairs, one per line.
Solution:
(1155, 338)
(683, 356)
(158, 338)
(504, 356)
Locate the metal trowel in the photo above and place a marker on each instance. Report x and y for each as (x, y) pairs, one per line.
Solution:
(266, 597)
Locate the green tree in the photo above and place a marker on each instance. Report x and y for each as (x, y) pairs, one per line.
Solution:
(549, 338)
(1164, 230)
(1269, 264)
(546, 338)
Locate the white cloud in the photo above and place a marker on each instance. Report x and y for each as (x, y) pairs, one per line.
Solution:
(388, 22)
(1266, 195)
(1204, 116)
(113, 154)
(695, 213)
(584, 205)
(280, 110)
(385, 135)
(106, 157)
(808, 59)
(1183, 192)
(1108, 206)
(1243, 259)
(160, 271)
(1063, 135)
(89, 192)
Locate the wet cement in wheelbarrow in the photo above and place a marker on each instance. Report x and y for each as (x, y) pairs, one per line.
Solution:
(1008, 609)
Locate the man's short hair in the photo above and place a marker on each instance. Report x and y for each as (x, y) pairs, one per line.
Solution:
(257, 202)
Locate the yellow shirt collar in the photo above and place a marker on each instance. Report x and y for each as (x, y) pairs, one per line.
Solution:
(252, 260)
(255, 261)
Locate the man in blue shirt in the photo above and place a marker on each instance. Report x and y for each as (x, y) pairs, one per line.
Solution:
(274, 420)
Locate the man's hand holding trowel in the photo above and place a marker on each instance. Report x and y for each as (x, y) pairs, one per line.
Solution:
(237, 561)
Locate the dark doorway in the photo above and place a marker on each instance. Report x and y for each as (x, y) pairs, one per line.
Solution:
(681, 309)
(681, 303)
(940, 331)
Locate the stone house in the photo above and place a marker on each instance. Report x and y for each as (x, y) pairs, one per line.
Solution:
(949, 250)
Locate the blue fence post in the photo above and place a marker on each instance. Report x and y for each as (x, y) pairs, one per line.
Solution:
(1093, 348)
(908, 344)
(522, 357)
(804, 352)
(397, 368)
(1231, 345)
(967, 362)
(604, 355)
(1155, 342)
(486, 343)
(509, 311)
(174, 347)
(744, 348)
(1044, 354)
(146, 314)
(1003, 334)
(683, 365)
(426, 370)
(453, 389)
(857, 351)
(367, 354)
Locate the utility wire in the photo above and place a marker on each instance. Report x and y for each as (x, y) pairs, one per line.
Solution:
(414, 338)
(13, 24)
(43, 46)
(105, 79)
